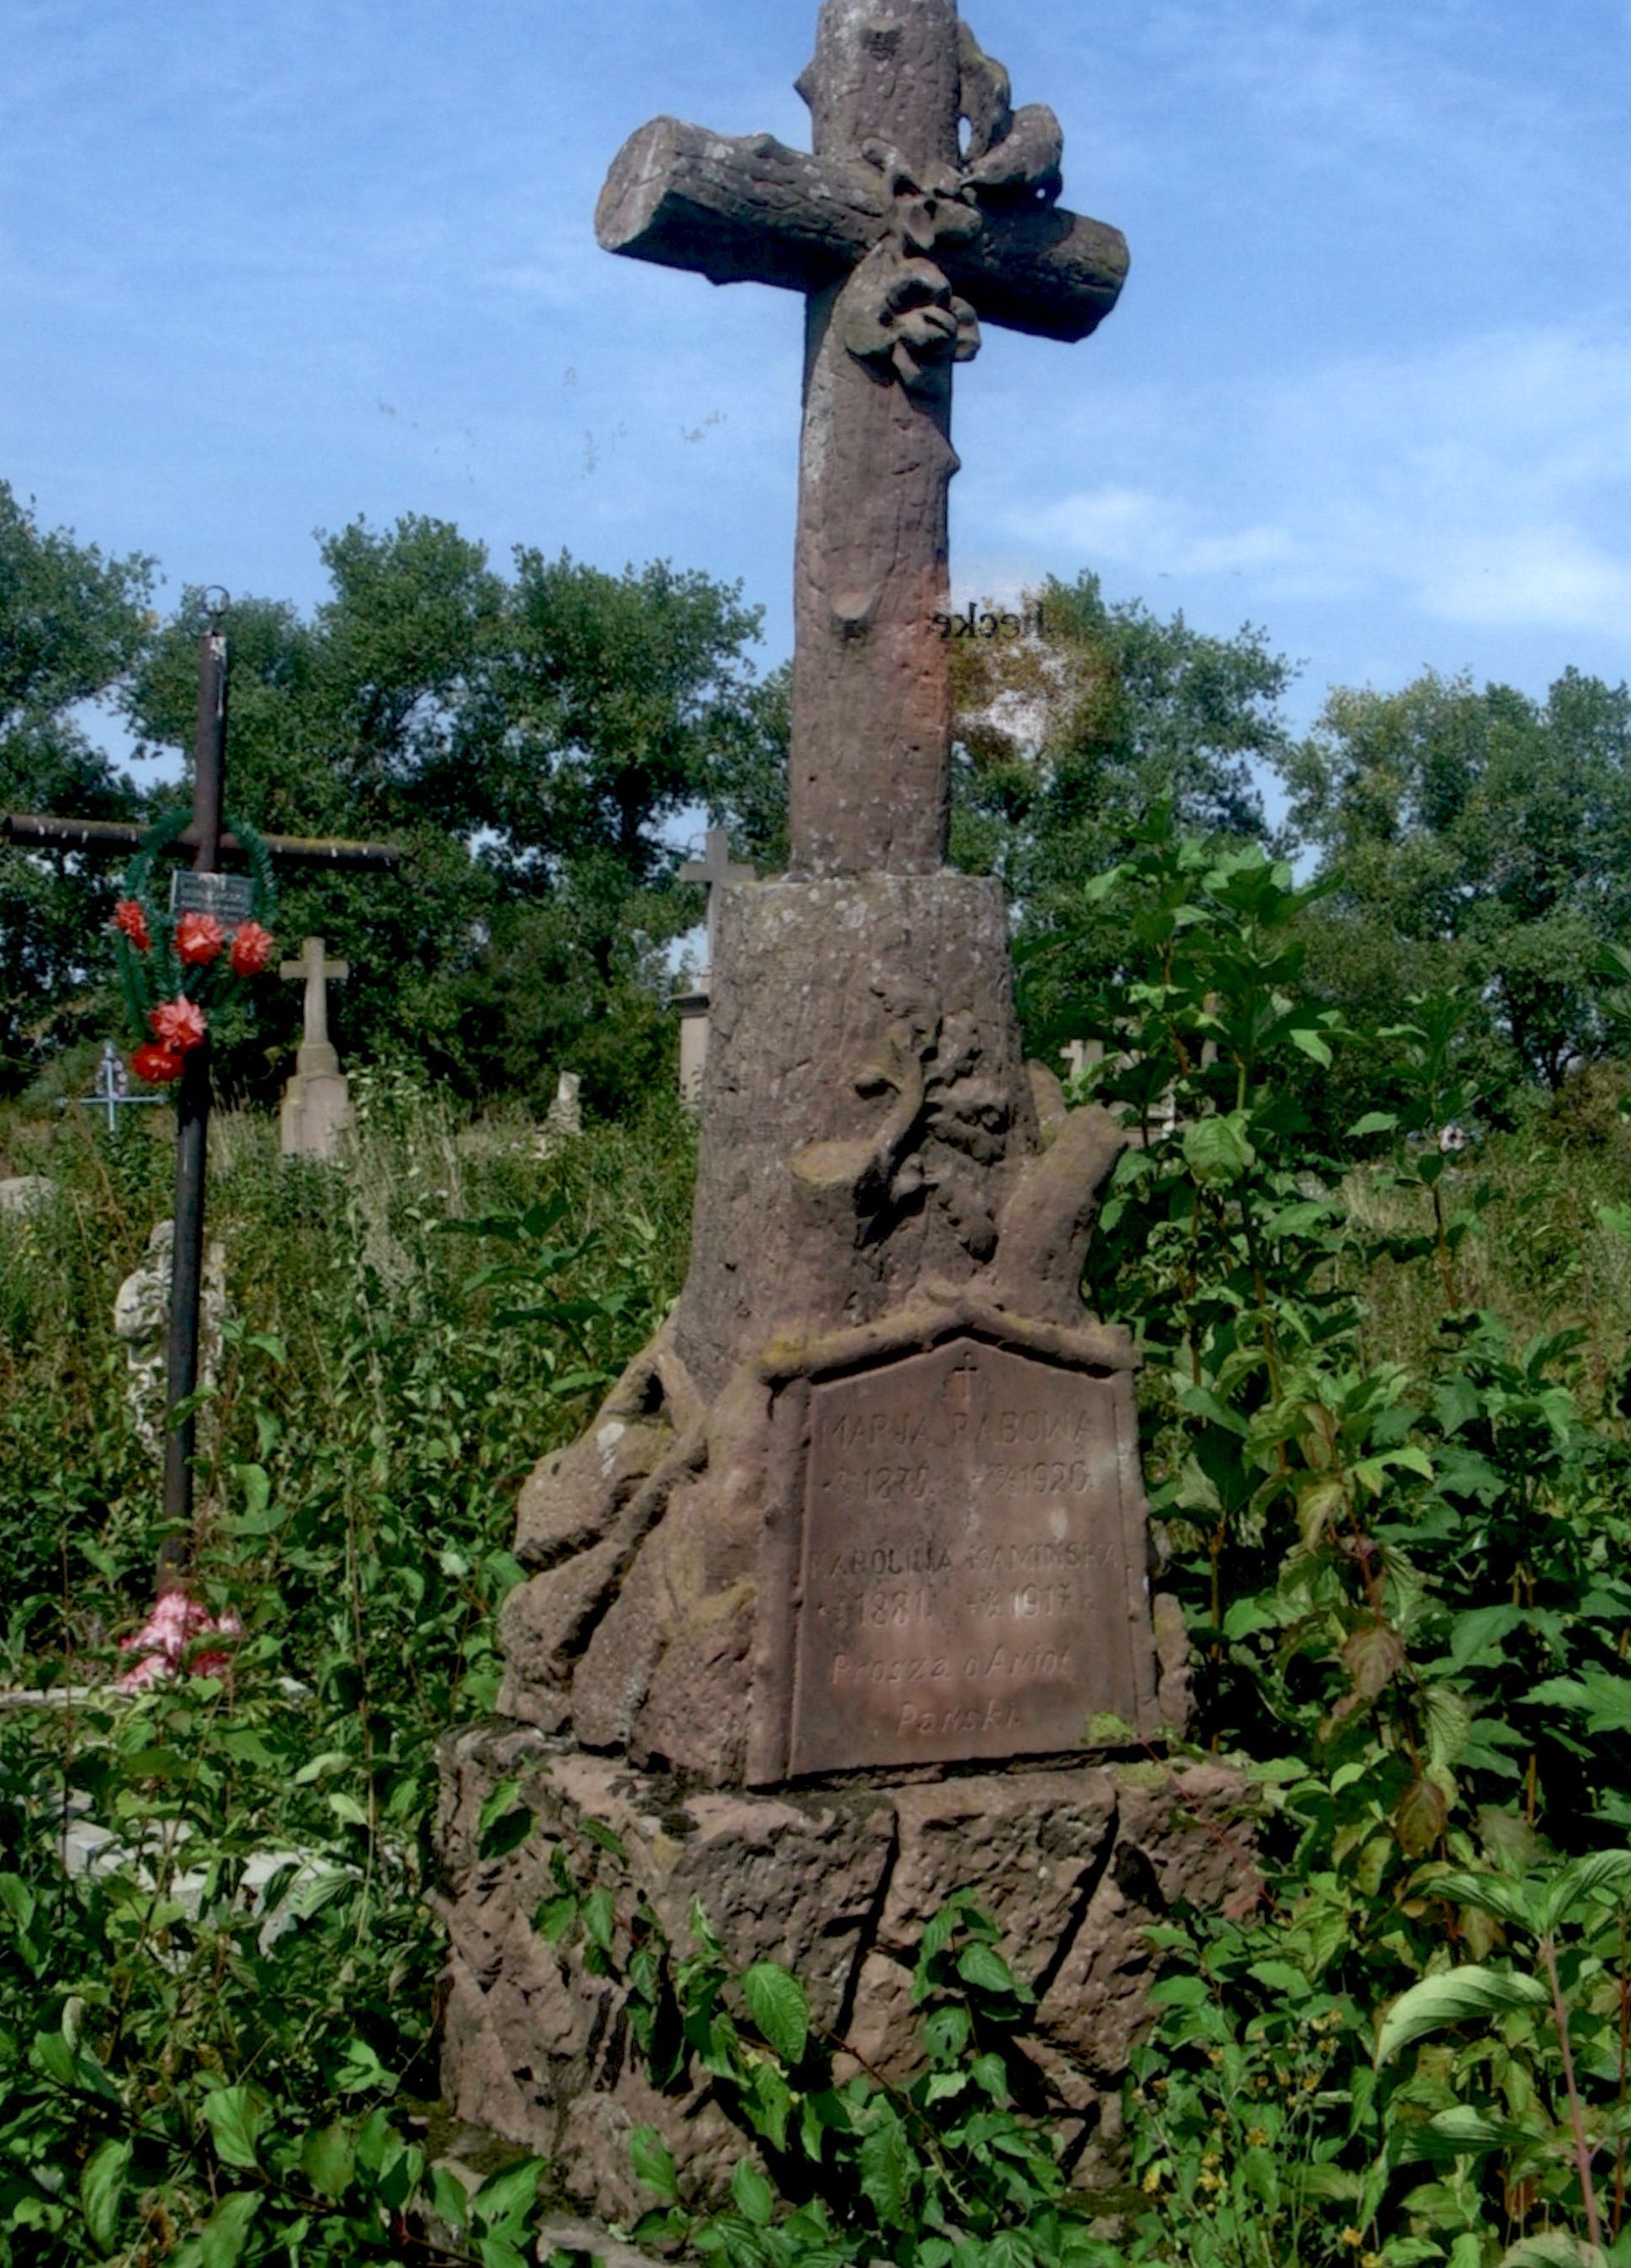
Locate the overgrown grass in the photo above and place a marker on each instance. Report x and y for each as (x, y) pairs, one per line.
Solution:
(374, 1418)
(1388, 1447)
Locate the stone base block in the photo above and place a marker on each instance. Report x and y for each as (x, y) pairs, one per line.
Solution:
(835, 1881)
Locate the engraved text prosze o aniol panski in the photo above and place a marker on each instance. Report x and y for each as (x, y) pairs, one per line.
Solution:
(966, 1584)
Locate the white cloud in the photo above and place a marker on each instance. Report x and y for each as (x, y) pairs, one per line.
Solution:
(1487, 484)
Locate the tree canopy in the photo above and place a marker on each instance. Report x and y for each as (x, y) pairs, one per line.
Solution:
(72, 625)
(1478, 841)
(528, 738)
(1069, 736)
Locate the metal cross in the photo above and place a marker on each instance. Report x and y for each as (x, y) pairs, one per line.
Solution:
(206, 841)
(903, 238)
(112, 1086)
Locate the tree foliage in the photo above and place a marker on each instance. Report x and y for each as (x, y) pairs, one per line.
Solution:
(1067, 738)
(72, 624)
(529, 738)
(1479, 841)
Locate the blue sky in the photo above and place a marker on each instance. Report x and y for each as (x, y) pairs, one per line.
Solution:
(264, 268)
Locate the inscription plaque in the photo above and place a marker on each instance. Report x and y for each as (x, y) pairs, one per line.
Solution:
(971, 1580)
(229, 897)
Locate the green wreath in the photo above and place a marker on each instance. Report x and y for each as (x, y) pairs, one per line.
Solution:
(177, 972)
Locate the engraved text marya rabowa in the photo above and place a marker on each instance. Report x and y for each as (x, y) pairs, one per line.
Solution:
(965, 1587)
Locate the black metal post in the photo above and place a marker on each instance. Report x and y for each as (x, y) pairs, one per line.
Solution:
(192, 1127)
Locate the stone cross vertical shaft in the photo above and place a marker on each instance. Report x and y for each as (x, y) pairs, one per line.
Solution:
(903, 236)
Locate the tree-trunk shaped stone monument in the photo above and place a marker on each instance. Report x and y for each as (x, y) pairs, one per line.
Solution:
(316, 1105)
(865, 1521)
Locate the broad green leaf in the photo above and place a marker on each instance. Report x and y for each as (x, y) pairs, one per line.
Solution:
(450, 2199)
(1420, 1815)
(235, 2115)
(1551, 2248)
(1281, 1976)
(599, 1917)
(1510, 1901)
(1600, 1870)
(1480, 1626)
(596, 1830)
(756, 2199)
(1375, 1121)
(985, 1968)
(1599, 1697)
(222, 2239)
(1218, 1149)
(777, 2004)
(101, 2185)
(1468, 2130)
(1457, 1998)
(1183, 1992)
(555, 1916)
(18, 1899)
(505, 2198)
(327, 2157)
(886, 2165)
(1449, 1722)
(651, 2161)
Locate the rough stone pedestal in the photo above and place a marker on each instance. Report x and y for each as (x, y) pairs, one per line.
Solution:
(836, 1882)
(316, 1111)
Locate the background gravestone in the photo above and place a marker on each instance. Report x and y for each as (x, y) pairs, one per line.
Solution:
(821, 1609)
(142, 1321)
(316, 1111)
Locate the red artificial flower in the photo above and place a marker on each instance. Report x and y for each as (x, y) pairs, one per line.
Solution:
(177, 1024)
(129, 917)
(159, 1066)
(199, 938)
(251, 949)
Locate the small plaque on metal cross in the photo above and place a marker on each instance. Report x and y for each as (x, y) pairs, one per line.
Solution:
(229, 897)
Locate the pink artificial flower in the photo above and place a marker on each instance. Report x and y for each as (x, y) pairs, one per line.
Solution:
(159, 1066)
(177, 1024)
(199, 938)
(164, 1638)
(130, 916)
(251, 949)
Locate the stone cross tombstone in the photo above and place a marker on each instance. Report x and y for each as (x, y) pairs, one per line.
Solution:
(714, 868)
(316, 1106)
(869, 1506)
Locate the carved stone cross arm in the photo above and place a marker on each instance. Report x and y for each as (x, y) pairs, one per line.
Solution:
(902, 235)
(746, 209)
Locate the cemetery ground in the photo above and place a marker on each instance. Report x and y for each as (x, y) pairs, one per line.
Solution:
(1384, 1400)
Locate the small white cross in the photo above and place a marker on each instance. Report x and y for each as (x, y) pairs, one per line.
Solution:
(317, 974)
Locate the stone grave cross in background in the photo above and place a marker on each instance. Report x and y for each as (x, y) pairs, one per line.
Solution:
(316, 1104)
(714, 868)
(850, 1566)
